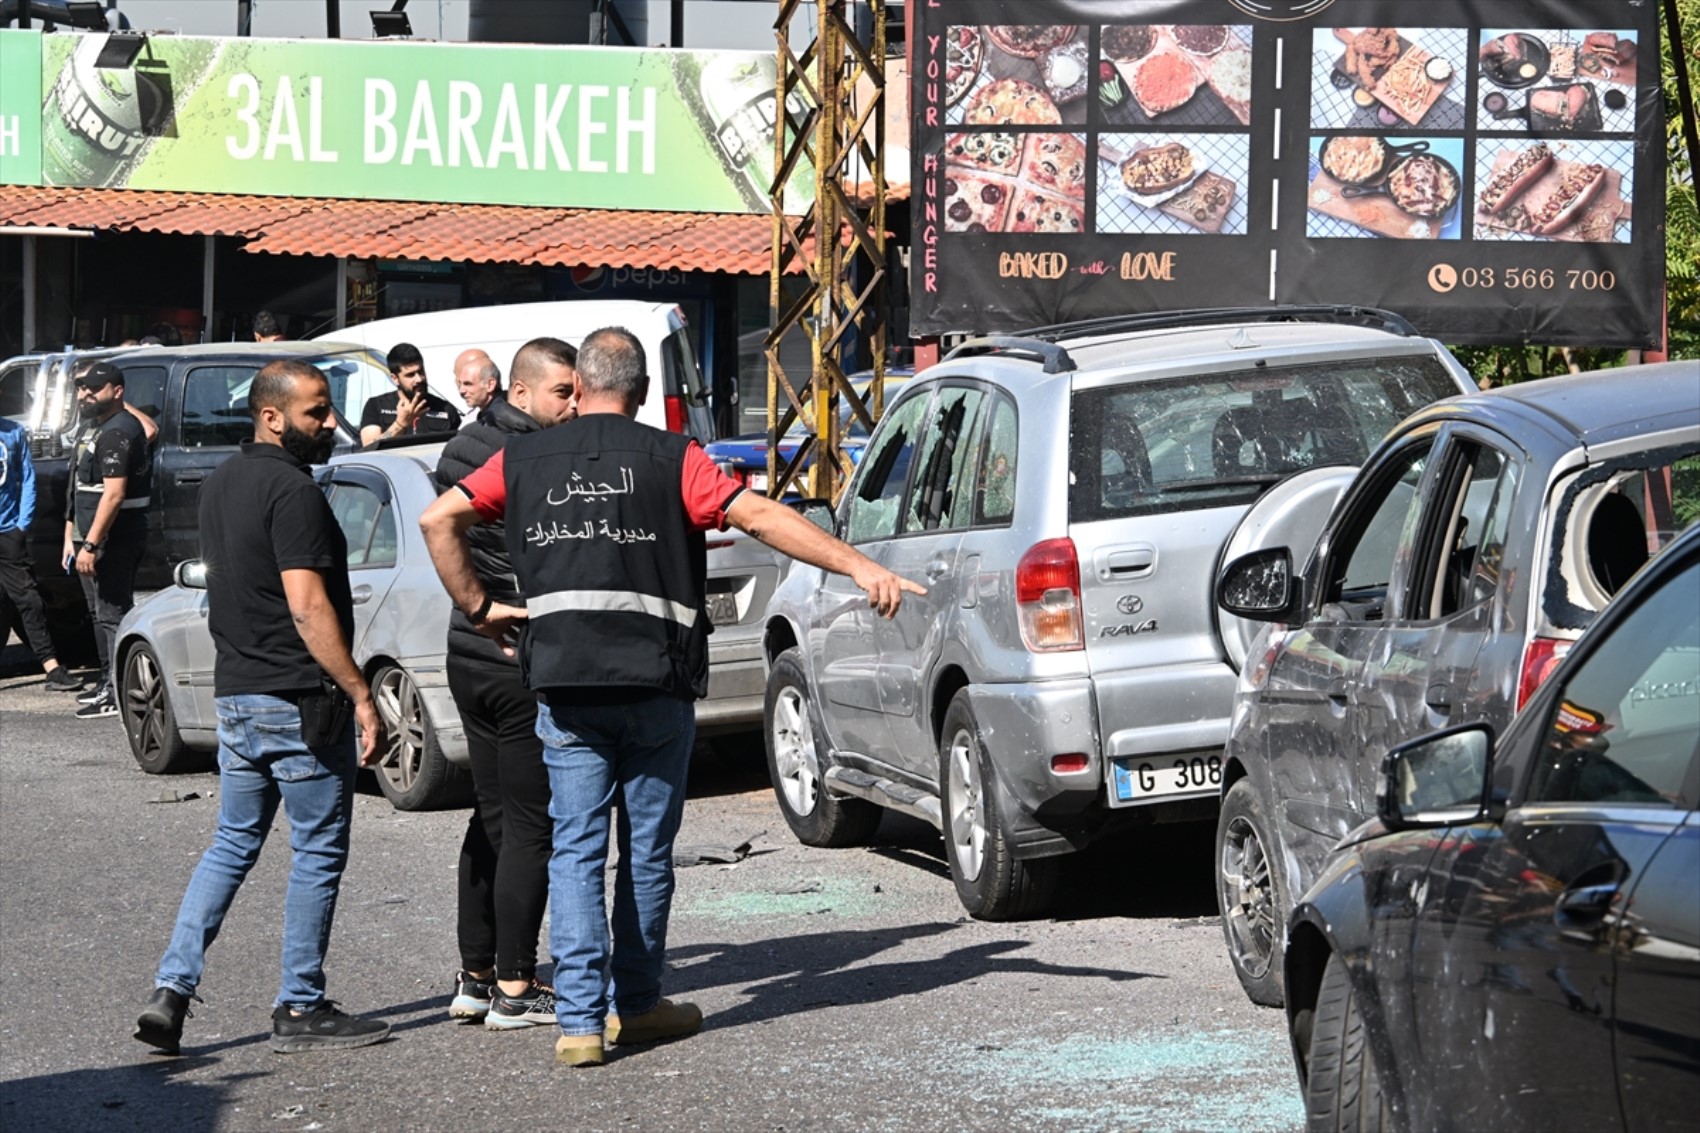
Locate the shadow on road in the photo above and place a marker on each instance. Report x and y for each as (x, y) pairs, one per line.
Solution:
(827, 969)
(145, 1096)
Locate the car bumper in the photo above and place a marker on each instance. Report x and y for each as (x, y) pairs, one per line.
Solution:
(1023, 726)
(737, 686)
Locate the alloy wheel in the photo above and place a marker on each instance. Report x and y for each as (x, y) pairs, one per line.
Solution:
(403, 711)
(1248, 896)
(143, 705)
(794, 751)
(966, 806)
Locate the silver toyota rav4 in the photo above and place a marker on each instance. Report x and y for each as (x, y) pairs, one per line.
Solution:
(1065, 496)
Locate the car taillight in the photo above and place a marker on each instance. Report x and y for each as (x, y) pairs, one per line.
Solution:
(1047, 597)
(1540, 657)
(675, 407)
(1070, 763)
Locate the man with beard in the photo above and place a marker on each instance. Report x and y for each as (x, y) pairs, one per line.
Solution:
(106, 515)
(411, 408)
(504, 857)
(285, 687)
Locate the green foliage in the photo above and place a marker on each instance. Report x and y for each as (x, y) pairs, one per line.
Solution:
(1507, 365)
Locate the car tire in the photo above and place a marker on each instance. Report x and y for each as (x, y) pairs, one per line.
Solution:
(1342, 1088)
(991, 882)
(1251, 895)
(796, 764)
(144, 706)
(413, 773)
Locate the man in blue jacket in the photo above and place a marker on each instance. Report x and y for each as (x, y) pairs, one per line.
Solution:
(17, 580)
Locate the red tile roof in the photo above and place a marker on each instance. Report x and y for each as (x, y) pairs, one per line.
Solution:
(685, 241)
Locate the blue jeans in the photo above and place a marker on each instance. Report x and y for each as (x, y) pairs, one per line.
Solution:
(635, 755)
(262, 761)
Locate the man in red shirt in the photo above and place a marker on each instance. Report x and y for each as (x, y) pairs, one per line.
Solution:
(605, 520)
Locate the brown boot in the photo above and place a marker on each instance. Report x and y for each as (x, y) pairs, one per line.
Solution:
(667, 1020)
(579, 1050)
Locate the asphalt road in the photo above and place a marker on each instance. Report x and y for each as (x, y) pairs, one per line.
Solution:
(843, 989)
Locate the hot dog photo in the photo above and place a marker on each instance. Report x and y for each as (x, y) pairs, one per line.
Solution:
(1397, 187)
(1543, 189)
(1173, 184)
(1556, 82)
(1372, 78)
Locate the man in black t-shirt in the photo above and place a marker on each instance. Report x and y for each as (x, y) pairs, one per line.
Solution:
(106, 515)
(412, 408)
(281, 615)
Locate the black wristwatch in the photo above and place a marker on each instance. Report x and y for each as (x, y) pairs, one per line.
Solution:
(483, 611)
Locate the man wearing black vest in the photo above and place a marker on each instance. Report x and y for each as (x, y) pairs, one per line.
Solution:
(106, 520)
(605, 520)
(504, 857)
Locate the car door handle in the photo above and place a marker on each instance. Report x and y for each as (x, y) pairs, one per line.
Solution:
(1339, 691)
(1439, 698)
(190, 476)
(1132, 562)
(361, 594)
(935, 569)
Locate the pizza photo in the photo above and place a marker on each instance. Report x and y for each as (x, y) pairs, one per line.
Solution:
(1174, 75)
(1017, 75)
(1009, 182)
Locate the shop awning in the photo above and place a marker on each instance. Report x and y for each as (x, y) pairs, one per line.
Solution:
(680, 241)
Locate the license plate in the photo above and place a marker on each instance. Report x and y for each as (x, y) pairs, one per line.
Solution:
(723, 610)
(758, 482)
(1136, 779)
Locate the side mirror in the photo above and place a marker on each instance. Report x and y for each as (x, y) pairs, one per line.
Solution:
(1439, 780)
(190, 574)
(818, 512)
(1260, 586)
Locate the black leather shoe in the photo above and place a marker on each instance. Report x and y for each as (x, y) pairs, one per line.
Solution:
(161, 1021)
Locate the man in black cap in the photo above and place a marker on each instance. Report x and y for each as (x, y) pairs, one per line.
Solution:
(106, 518)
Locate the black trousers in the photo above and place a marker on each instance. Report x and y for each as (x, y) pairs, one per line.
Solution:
(17, 583)
(111, 590)
(504, 858)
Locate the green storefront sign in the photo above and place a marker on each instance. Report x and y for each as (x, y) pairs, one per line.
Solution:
(523, 125)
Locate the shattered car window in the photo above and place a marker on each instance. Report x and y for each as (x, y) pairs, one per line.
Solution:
(1146, 448)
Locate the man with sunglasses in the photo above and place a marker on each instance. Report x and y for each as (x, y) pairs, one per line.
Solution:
(106, 515)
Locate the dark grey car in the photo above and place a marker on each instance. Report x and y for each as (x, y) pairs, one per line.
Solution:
(1472, 549)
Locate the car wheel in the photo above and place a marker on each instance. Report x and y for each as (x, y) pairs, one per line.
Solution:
(413, 773)
(1250, 894)
(144, 704)
(992, 884)
(1342, 1089)
(797, 765)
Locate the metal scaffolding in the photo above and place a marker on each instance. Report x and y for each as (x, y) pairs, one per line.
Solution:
(839, 244)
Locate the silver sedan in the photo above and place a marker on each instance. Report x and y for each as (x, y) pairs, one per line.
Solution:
(401, 616)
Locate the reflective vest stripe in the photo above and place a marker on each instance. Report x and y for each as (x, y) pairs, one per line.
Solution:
(614, 601)
(132, 504)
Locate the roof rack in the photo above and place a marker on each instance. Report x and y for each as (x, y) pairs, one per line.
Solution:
(1373, 317)
(1055, 358)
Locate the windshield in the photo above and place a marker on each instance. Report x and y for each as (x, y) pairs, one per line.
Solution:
(849, 425)
(1150, 447)
(355, 376)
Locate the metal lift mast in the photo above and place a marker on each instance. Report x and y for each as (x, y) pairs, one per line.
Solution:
(840, 244)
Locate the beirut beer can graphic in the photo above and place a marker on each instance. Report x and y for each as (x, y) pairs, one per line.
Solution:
(739, 94)
(97, 118)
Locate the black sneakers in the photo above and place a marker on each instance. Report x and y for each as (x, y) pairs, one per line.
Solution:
(90, 695)
(536, 1008)
(61, 680)
(105, 704)
(323, 1026)
(472, 997)
(161, 1021)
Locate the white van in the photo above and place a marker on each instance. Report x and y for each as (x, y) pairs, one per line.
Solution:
(677, 402)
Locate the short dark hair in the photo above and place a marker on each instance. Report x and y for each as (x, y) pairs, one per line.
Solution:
(274, 385)
(612, 360)
(403, 354)
(530, 359)
(266, 324)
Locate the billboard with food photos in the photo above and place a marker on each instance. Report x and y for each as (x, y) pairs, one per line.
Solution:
(590, 127)
(1491, 169)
